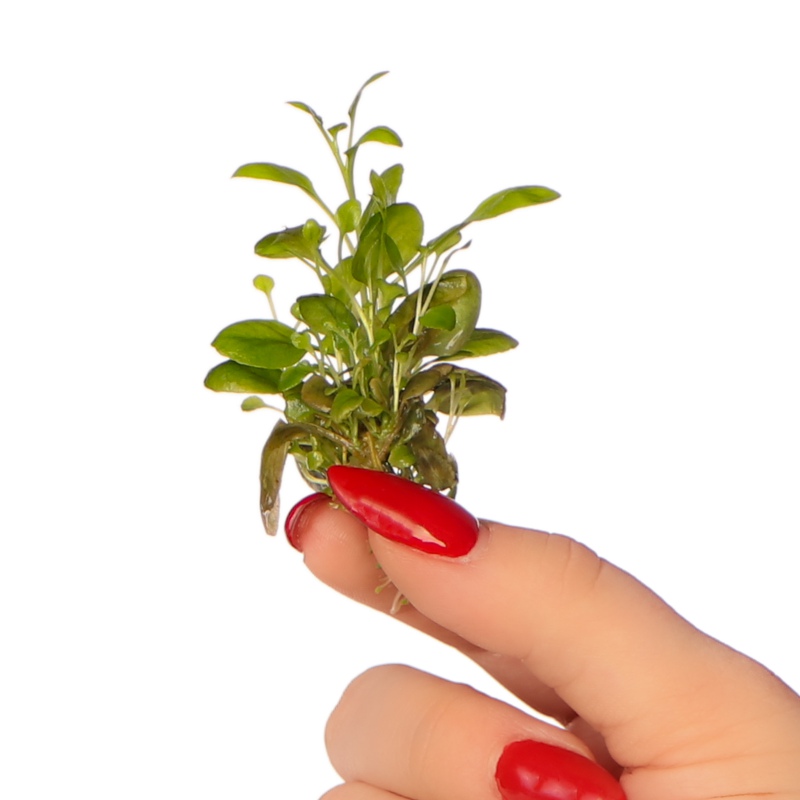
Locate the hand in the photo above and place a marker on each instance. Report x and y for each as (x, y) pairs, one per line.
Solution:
(639, 693)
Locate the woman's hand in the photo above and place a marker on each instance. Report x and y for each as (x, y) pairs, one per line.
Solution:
(639, 693)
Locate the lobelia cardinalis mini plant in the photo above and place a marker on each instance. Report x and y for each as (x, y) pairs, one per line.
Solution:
(368, 367)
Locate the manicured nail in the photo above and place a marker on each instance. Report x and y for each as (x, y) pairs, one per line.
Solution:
(530, 770)
(404, 511)
(290, 526)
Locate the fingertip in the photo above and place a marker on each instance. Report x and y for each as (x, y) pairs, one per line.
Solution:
(336, 548)
(293, 527)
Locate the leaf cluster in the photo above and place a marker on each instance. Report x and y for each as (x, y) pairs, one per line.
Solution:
(369, 362)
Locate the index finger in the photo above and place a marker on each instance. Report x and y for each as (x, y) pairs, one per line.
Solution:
(336, 549)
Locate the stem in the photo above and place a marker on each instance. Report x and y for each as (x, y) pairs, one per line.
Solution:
(318, 355)
(331, 215)
(390, 439)
(350, 171)
(313, 266)
(347, 174)
(399, 601)
(455, 410)
(332, 370)
(434, 284)
(331, 142)
(418, 312)
(395, 378)
(272, 306)
(272, 408)
(356, 306)
(438, 277)
(373, 452)
(332, 436)
(452, 420)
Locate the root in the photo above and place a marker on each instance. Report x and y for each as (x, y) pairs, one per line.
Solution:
(400, 599)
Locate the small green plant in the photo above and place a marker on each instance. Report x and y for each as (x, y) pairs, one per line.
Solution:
(367, 368)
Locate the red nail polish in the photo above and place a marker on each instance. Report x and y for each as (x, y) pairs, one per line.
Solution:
(530, 770)
(290, 526)
(405, 512)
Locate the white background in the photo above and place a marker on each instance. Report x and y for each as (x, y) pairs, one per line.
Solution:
(154, 642)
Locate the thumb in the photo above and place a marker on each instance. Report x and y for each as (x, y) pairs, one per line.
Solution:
(661, 693)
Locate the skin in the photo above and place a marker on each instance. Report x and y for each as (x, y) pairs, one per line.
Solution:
(673, 713)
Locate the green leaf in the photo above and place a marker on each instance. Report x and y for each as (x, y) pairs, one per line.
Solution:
(351, 112)
(469, 394)
(325, 314)
(384, 191)
(294, 376)
(315, 460)
(499, 203)
(439, 317)
(458, 289)
(335, 130)
(370, 408)
(302, 341)
(435, 466)
(380, 194)
(316, 393)
(389, 240)
(308, 110)
(510, 199)
(380, 391)
(252, 403)
(273, 458)
(466, 305)
(382, 335)
(313, 232)
(444, 241)
(264, 284)
(367, 254)
(297, 410)
(341, 283)
(451, 286)
(258, 343)
(279, 174)
(392, 178)
(345, 402)
(401, 456)
(485, 342)
(391, 260)
(347, 215)
(427, 381)
(403, 222)
(388, 292)
(302, 241)
(378, 134)
(232, 377)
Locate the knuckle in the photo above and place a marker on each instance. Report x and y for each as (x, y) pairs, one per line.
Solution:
(576, 570)
(373, 682)
(435, 725)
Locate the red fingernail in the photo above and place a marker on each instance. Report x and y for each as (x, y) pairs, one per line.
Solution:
(405, 512)
(290, 526)
(530, 770)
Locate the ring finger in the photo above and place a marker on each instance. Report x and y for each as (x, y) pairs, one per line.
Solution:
(409, 733)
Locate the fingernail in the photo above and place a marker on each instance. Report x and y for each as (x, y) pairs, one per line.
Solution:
(290, 526)
(530, 770)
(404, 511)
